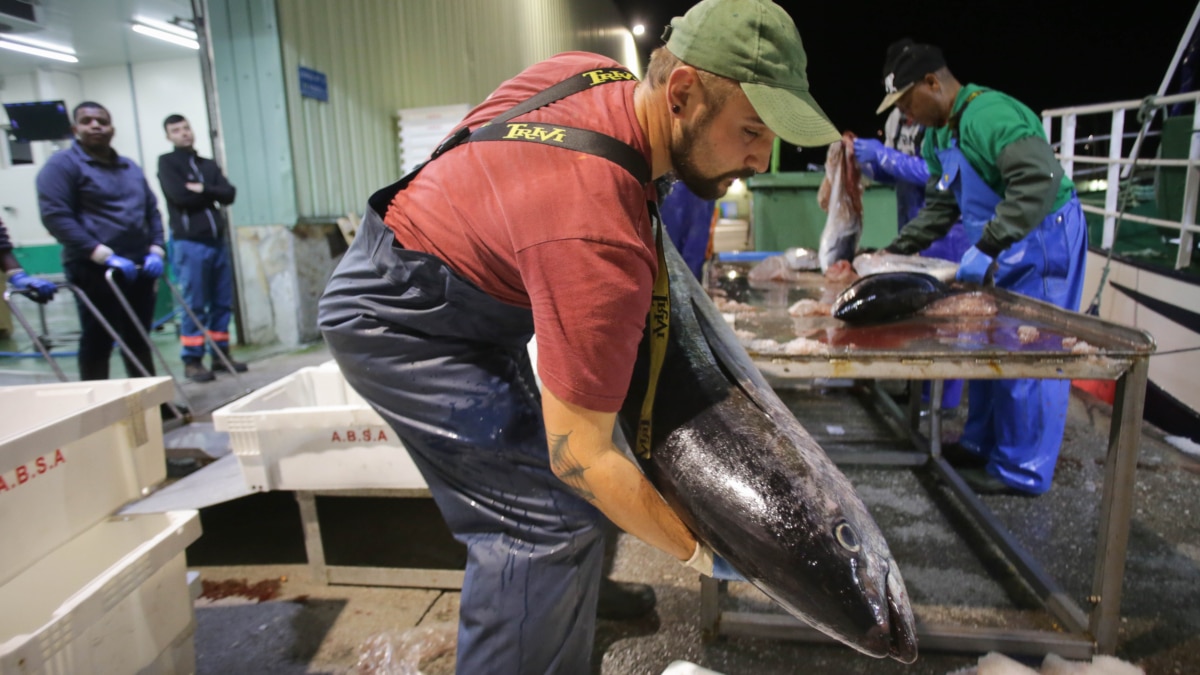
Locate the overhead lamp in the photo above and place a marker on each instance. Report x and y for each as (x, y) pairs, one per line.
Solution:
(639, 29)
(165, 31)
(38, 43)
(6, 43)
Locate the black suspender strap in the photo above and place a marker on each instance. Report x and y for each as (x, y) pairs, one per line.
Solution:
(569, 86)
(571, 138)
(590, 142)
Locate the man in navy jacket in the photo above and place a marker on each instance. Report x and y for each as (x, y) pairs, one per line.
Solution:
(195, 189)
(98, 205)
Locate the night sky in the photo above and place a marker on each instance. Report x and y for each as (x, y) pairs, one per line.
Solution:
(1047, 54)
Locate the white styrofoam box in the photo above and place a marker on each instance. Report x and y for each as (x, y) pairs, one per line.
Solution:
(112, 600)
(70, 455)
(311, 431)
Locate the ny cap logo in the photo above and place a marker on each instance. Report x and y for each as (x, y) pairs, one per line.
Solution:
(889, 83)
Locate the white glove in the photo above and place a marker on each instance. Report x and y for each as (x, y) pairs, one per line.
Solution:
(701, 560)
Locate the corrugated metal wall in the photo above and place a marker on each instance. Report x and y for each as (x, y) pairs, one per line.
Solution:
(382, 55)
(248, 76)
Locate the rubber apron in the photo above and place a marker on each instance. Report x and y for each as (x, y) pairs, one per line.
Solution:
(910, 175)
(1018, 424)
(447, 366)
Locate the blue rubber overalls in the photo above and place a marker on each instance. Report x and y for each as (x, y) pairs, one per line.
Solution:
(910, 173)
(688, 220)
(1017, 425)
(447, 366)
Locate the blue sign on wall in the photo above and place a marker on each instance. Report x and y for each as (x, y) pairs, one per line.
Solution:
(313, 85)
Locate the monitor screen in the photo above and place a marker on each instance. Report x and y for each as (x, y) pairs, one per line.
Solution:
(39, 120)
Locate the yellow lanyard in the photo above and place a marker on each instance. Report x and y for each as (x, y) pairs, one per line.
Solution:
(659, 324)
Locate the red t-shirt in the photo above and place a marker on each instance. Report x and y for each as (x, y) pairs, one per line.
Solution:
(561, 232)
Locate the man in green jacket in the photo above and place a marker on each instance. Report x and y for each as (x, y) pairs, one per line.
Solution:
(989, 161)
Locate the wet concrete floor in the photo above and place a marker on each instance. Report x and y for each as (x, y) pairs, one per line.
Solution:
(261, 612)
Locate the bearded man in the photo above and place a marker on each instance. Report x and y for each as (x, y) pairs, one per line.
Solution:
(538, 215)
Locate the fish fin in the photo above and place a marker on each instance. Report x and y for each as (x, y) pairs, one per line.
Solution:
(723, 344)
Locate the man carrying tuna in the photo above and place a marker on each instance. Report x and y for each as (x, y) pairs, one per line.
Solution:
(534, 216)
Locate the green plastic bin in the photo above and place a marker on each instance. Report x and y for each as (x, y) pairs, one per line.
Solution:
(784, 212)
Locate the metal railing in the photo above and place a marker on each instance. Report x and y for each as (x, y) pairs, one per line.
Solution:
(130, 357)
(42, 343)
(1120, 165)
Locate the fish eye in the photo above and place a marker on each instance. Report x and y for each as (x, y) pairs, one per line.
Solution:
(847, 537)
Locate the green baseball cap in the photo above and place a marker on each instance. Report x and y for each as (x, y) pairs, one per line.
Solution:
(756, 43)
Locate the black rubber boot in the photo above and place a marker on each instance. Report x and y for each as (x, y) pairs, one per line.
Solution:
(623, 600)
(960, 457)
(196, 372)
(218, 365)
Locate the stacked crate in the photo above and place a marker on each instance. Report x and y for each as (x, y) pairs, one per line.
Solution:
(311, 431)
(84, 591)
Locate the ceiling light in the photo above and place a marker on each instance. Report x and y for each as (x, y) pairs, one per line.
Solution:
(38, 43)
(37, 51)
(167, 27)
(639, 29)
(166, 31)
(165, 36)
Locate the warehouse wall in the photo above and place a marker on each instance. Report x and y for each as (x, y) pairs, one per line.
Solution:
(382, 55)
(300, 162)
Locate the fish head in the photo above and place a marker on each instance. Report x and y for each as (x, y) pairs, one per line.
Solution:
(814, 548)
(856, 593)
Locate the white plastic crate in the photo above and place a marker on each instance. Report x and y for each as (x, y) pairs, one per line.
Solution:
(112, 600)
(70, 455)
(311, 431)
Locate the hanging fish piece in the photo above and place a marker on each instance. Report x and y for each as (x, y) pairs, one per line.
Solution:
(840, 196)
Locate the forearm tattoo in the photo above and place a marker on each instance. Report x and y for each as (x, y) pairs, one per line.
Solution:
(567, 467)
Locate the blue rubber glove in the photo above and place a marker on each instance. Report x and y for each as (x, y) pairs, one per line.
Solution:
(123, 265)
(723, 571)
(901, 167)
(974, 266)
(152, 266)
(867, 150)
(39, 289)
(708, 563)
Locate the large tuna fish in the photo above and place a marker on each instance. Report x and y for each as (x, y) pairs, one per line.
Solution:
(749, 481)
(840, 196)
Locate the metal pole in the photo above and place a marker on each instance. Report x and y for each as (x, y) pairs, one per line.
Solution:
(711, 591)
(1190, 193)
(137, 324)
(37, 340)
(1116, 503)
(936, 387)
(87, 303)
(313, 545)
(1162, 88)
(212, 99)
(204, 331)
(1114, 179)
(932, 637)
(1067, 150)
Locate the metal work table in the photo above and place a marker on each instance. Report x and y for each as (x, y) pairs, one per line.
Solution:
(937, 349)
